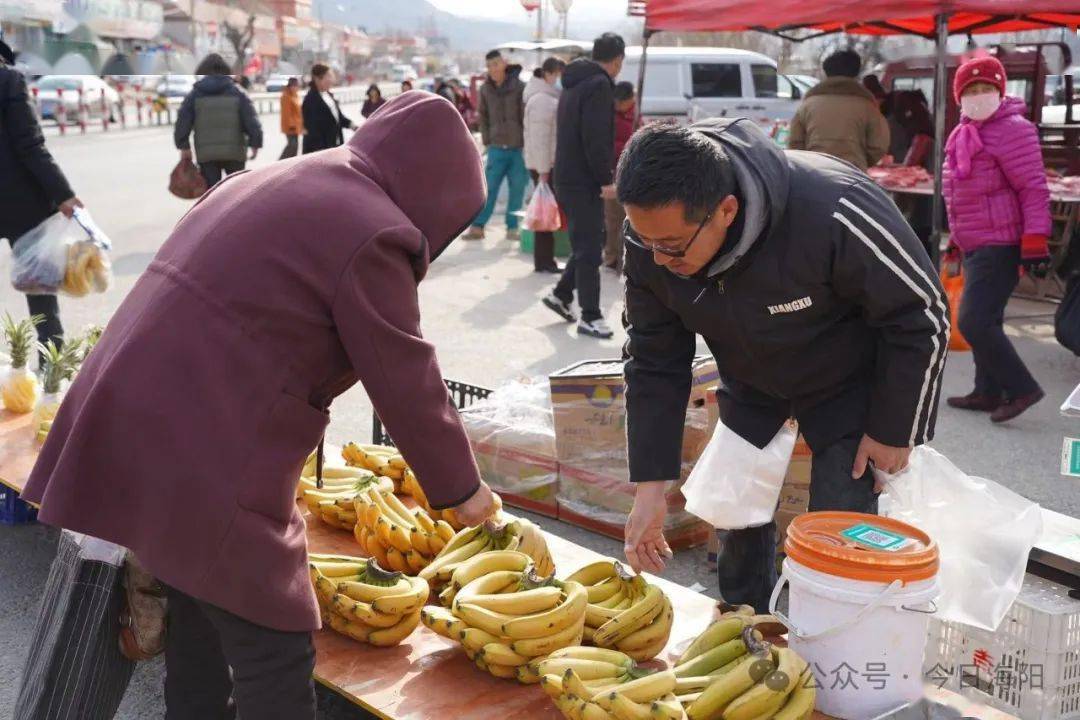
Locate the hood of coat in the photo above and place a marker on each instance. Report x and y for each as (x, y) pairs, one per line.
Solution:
(761, 170)
(1009, 107)
(581, 70)
(419, 151)
(538, 86)
(214, 84)
(839, 85)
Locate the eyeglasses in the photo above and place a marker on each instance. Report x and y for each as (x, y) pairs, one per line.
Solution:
(631, 237)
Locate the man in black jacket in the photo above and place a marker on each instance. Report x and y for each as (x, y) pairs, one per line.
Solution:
(584, 166)
(32, 186)
(814, 296)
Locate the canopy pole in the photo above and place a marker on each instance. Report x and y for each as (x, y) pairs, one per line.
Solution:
(940, 108)
(641, 76)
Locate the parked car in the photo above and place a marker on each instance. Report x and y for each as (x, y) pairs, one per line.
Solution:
(176, 85)
(697, 82)
(805, 83)
(277, 83)
(58, 95)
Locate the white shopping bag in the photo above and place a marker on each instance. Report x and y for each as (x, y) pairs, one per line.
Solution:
(736, 485)
(984, 533)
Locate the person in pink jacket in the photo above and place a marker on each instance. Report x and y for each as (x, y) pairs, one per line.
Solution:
(999, 219)
(184, 434)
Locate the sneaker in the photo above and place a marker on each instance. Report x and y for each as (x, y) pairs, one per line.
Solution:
(597, 328)
(559, 307)
(975, 401)
(476, 232)
(1007, 411)
(513, 234)
(553, 269)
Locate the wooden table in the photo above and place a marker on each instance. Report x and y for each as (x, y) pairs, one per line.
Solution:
(17, 449)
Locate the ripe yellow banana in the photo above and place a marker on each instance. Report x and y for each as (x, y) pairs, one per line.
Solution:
(728, 687)
(594, 573)
(395, 634)
(526, 675)
(573, 684)
(592, 711)
(444, 530)
(485, 584)
(668, 708)
(452, 556)
(534, 647)
(552, 685)
(416, 561)
(624, 708)
(396, 560)
(339, 569)
(640, 614)
(356, 631)
(648, 688)
(419, 541)
(368, 592)
(478, 617)
(592, 653)
(716, 634)
(586, 669)
(640, 642)
(800, 704)
(604, 590)
(525, 602)
(401, 603)
(473, 638)
(571, 612)
(364, 613)
(488, 563)
(770, 694)
(442, 622)
(500, 654)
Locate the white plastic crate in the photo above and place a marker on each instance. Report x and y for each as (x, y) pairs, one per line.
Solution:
(1029, 667)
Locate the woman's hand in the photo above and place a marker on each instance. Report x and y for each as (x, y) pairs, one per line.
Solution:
(645, 546)
(478, 508)
(68, 206)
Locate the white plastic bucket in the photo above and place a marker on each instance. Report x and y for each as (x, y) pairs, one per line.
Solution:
(863, 640)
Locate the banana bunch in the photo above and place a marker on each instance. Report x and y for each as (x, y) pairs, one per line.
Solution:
(42, 433)
(507, 533)
(386, 461)
(333, 503)
(87, 270)
(583, 683)
(505, 614)
(625, 612)
(399, 538)
(772, 685)
(364, 602)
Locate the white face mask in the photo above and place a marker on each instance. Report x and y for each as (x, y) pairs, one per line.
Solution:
(980, 107)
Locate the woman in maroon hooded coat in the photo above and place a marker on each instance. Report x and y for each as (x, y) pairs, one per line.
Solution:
(183, 436)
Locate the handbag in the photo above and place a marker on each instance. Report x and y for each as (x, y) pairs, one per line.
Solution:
(954, 291)
(142, 616)
(185, 181)
(1067, 316)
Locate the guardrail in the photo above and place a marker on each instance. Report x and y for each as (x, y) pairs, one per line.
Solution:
(141, 108)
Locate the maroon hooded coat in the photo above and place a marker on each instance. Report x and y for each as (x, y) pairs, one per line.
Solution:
(183, 436)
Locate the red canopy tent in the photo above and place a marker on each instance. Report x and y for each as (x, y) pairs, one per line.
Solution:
(932, 19)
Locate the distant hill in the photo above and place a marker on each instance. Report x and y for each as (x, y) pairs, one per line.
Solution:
(380, 16)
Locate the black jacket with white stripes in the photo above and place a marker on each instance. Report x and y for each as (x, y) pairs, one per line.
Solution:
(825, 308)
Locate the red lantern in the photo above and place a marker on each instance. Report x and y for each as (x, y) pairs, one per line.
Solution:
(530, 5)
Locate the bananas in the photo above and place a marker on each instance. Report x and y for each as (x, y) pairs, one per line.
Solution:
(362, 601)
(406, 539)
(88, 270)
(511, 534)
(624, 611)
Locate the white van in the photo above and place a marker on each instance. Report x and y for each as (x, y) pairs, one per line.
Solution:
(700, 82)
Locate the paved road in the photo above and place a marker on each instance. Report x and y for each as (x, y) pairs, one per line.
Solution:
(481, 308)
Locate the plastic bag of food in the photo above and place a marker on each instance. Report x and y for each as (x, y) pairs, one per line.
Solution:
(65, 254)
(542, 214)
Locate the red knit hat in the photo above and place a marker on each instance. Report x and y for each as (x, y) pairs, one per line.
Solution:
(986, 69)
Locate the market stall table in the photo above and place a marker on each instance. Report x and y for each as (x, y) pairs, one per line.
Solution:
(17, 449)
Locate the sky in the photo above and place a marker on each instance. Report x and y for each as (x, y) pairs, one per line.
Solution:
(591, 10)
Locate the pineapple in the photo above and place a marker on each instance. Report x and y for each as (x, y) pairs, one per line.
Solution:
(60, 364)
(20, 387)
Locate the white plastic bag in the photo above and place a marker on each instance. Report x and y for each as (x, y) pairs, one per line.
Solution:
(984, 533)
(68, 254)
(542, 214)
(736, 485)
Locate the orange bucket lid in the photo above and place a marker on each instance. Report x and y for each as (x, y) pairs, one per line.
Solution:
(861, 547)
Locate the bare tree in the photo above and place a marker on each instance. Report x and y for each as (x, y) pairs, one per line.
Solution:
(241, 39)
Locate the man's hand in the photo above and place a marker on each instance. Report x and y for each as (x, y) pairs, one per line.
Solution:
(254, 153)
(481, 506)
(608, 192)
(884, 457)
(68, 206)
(646, 549)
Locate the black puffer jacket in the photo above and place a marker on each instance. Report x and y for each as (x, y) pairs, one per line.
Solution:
(585, 140)
(825, 307)
(31, 183)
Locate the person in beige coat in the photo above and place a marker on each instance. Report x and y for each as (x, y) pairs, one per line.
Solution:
(840, 117)
(541, 107)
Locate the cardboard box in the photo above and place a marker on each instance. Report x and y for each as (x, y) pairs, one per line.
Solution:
(589, 411)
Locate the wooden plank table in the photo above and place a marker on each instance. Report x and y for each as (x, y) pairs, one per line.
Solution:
(17, 449)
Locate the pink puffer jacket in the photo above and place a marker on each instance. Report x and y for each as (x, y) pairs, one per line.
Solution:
(995, 182)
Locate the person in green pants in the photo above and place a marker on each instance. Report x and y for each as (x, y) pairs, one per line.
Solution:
(502, 117)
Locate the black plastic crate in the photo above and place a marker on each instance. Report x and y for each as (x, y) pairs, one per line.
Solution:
(463, 395)
(13, 510)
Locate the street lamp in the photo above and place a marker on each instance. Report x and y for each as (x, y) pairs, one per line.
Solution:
(563, 8)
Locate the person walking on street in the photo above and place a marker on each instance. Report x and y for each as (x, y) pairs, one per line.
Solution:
(316, 261)
(292, 118)
(541, 98)
(614, 215)
(999, 217)
(373, 101)
(406, 86)
(443, 89)
(462, 101)
(584, 168)
(323, 119)
(32, 185)
(840, 117)
(502, 117)
(812, 293)
(223, 119)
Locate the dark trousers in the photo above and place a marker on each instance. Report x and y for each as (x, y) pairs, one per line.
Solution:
(213, 170)
(990, 275)
(614, 215)
(584, 210)
(217, 664)
(747, 560)
(543, 242)
(292, 145)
